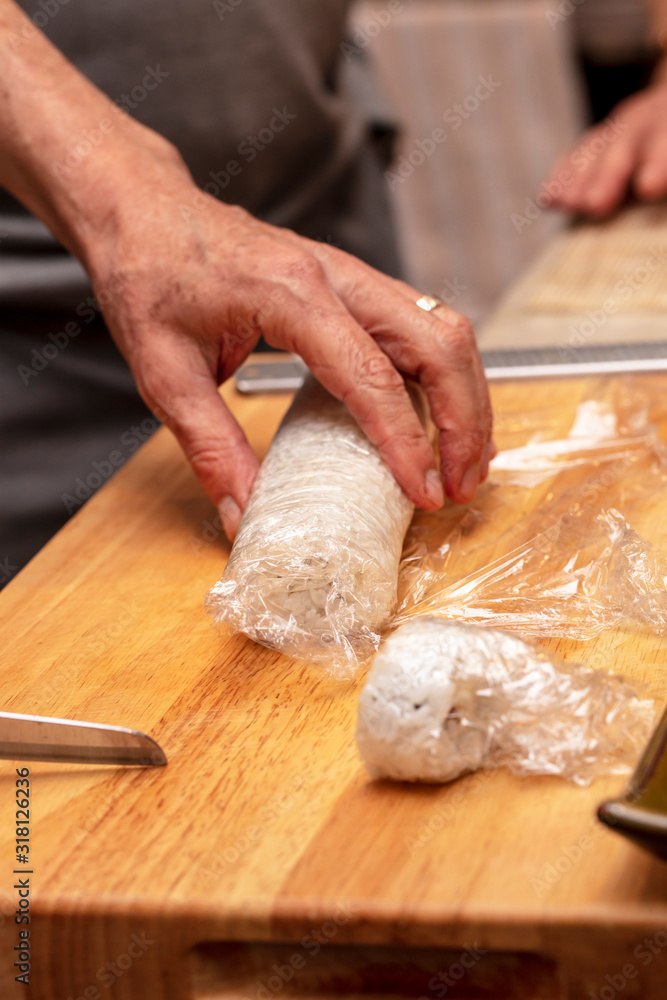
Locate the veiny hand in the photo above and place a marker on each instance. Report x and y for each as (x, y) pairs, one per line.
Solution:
(626, 153)
(198, 281)
(188, 284)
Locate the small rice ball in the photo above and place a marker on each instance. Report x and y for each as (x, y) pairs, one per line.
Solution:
(435, 688)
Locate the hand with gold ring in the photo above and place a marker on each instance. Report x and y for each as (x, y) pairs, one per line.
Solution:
(197, 282)
(194, 317)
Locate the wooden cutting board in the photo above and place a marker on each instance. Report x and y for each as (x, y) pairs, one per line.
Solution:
(261, 861)
(596, 283)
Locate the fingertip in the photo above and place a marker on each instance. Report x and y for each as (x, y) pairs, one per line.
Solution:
(422, 486)
(487, 455)
(461, 482)
(599, 201)
(469, 483)
(651, 183)
(433, 491)
(230, 516)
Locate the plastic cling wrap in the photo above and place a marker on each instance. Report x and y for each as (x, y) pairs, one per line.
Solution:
(547, 547)
(443, 698)
(314, 568)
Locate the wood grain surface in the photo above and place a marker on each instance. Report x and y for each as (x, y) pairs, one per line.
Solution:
(262, 862)
(263, 845)
(595, 283)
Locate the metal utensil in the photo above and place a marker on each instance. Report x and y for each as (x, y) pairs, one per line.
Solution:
(35, 737)
(573, 362)
(641, 811)
(511, 363)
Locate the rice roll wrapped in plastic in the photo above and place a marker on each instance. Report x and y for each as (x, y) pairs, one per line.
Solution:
(314, 568)
(444, 697)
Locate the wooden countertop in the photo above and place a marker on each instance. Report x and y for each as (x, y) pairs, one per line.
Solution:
(262, 861)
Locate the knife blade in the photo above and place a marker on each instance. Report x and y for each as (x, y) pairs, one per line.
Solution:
(36, 737)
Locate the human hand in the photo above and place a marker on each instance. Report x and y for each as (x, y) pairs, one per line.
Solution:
(627, 153)
(198, 283)
(188, 284)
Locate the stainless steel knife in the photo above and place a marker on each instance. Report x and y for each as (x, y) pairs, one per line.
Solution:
(35, 737)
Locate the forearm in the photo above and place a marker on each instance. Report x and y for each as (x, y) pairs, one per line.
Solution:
(199, 287)
(657, 10)
(50, 114)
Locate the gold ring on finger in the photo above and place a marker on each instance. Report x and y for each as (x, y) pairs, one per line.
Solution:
(429, 302)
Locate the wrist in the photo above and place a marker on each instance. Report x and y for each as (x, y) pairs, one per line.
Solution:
(122, 183)
(69, 153)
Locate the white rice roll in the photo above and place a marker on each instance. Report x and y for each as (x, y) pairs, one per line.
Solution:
(444, 697)
(410, 725)
(314, 568)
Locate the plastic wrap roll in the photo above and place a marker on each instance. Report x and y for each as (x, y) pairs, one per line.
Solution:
(314, 568)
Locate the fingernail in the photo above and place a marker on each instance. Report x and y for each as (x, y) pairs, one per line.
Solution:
(599, 200)
(433, 490)
(230, 515)
(490, 452)
(650, 182)
(484, 465)
(469, 483)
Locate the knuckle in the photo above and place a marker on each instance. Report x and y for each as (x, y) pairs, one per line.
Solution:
(203, 455)
(377, 372)
(322, 251)
(209, 459)
(237, 215)
(456, 343)
(464, 445)
(151, 384)
(413, 440)
(299, 267)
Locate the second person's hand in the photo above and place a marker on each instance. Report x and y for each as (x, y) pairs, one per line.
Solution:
(625, 154)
